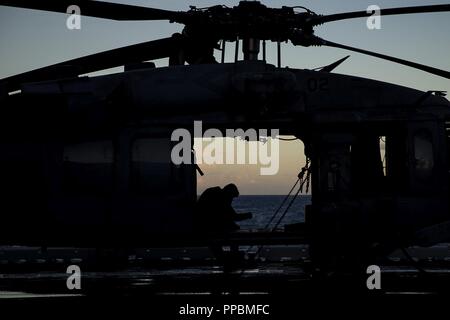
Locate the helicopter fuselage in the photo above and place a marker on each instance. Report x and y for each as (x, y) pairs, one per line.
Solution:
(86, 161)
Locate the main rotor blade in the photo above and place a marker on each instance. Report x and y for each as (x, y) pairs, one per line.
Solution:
(435, 71)
(99, 61)
(98, 9)
(383, 12)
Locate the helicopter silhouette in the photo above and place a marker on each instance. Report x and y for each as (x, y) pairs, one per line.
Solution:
(86, 160)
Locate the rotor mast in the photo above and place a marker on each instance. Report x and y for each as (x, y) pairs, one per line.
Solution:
(250, 48)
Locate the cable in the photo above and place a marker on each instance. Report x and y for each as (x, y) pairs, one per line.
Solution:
(276, 211)
(281, 218)
(281, 205)
(287, 208)
(303, 179)
(300, 189)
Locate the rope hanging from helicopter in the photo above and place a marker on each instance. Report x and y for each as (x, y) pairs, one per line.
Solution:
(304, 178)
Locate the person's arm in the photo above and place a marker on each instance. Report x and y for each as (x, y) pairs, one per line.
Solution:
(243, 216)
(238, 216)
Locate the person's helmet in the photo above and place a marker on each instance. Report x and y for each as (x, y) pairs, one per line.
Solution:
(232, 190)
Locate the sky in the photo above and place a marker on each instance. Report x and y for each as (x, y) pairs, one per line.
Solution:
(31, 39)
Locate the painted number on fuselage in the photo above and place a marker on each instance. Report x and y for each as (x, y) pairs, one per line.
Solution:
(318, 84)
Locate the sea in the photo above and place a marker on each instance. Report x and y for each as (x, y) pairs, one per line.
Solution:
(264, 208)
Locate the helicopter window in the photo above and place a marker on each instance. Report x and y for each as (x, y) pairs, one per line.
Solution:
(423, 155)
(396, 158)
(367, 163)
(383, 153)
(88, 167)
(151, 167)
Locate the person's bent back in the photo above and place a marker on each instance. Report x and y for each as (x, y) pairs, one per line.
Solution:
(215, 214)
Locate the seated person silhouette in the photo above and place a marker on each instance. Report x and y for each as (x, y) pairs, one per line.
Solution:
(216, 217)
(215, 213)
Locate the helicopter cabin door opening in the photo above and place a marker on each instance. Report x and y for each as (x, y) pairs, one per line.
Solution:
(260, 194)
